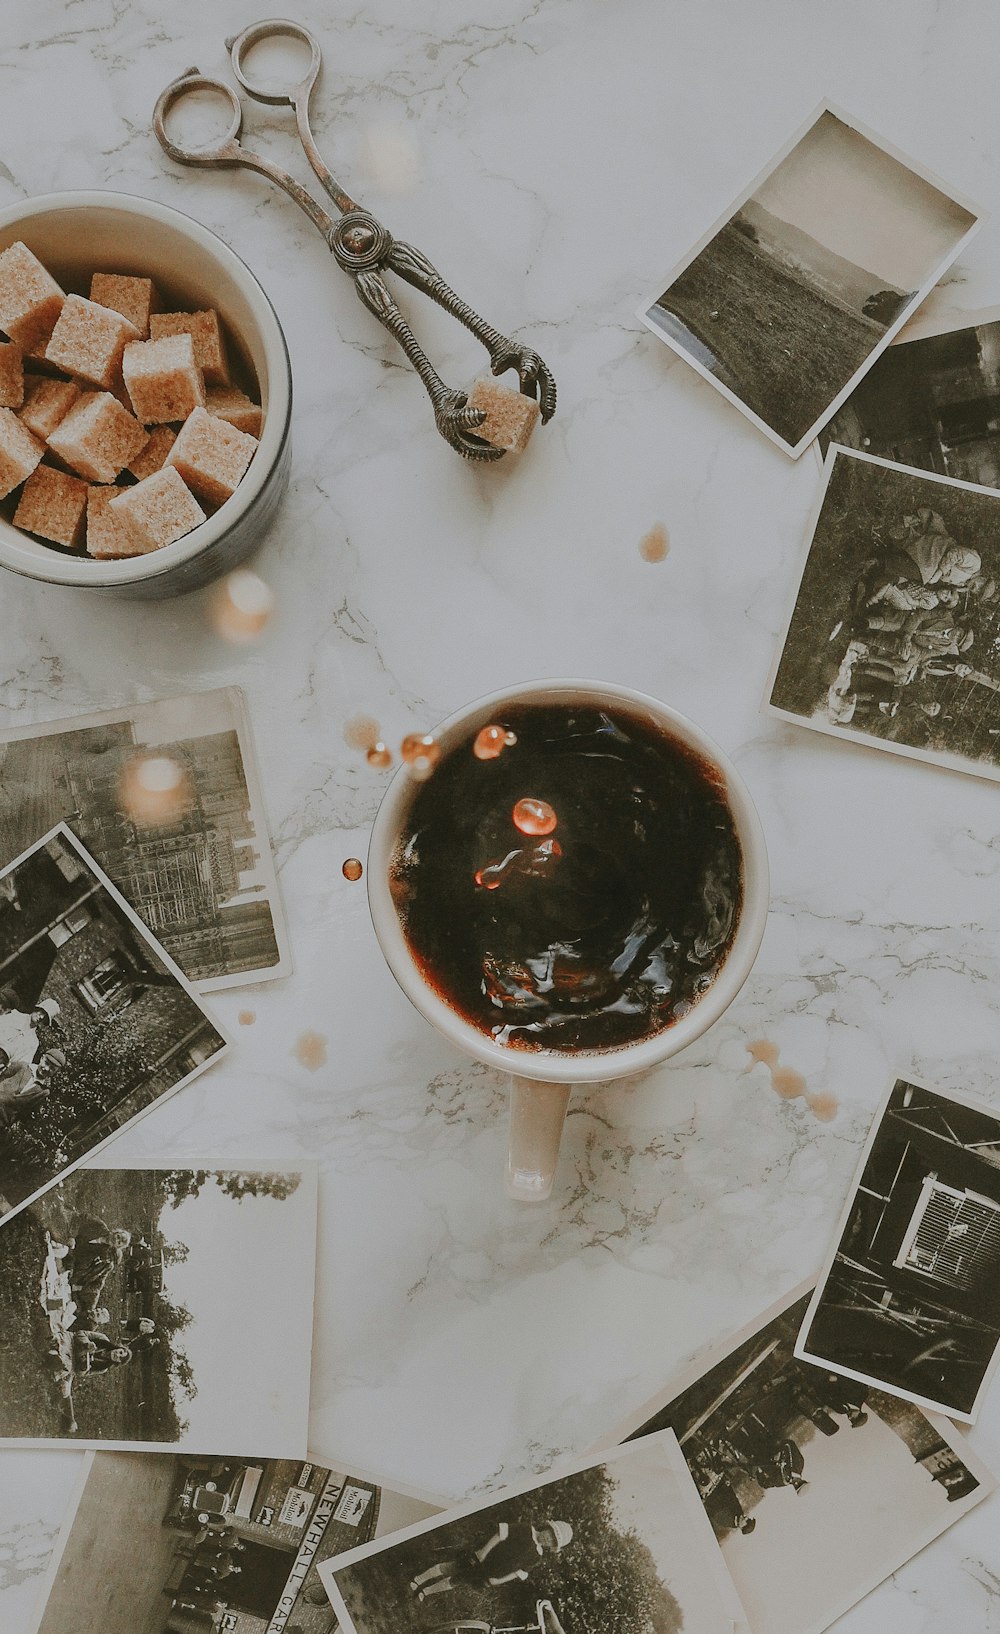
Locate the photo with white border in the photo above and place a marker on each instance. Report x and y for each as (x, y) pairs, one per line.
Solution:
(162, 1305)
(909, 1298)
(166, 796)
(97, 1023)
(794, 292)
(817, 1488)
(893, 638)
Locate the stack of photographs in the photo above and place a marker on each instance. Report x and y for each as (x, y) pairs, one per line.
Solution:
(790, 306)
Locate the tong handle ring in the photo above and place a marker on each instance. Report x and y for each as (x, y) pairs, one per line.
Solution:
(227, 150)
(275, 95)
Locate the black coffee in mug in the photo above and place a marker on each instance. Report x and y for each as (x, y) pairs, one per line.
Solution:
(569, 877)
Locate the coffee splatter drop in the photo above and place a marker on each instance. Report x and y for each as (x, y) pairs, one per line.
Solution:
(310, 1050)
(653, 546)
(361, 732)
(764, 1049)
(379, 755)
(353, 868)
(421, 753)
(788, 1082)
(823, 1105)
(246, 1018)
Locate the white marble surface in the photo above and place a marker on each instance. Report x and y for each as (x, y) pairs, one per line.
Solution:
(565, 154)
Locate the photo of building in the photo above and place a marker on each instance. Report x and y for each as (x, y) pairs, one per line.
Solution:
(199, 873)
(912, 1298)
(224, 1546)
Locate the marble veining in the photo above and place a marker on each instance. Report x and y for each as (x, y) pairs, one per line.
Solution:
(553, 158)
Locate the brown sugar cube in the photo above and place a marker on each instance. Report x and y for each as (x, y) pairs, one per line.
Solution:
(510, 416)
(156, 511)
(46, 403)
(134, 298)
(105, 535)
(162, 379)
(205, 331)
(149, 459)
(211, 456)
(20, 452)
(30, 299)
(88, 340)
(98, 437)
(52, 504)
(229, 403)
(11, 375)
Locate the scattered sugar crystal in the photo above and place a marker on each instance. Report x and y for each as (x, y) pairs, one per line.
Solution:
(206, 333)
(151, 458)
(105, 535)
(88, 340)
(30, 299)
(162, 379)
(229, 403)
(510, 416)
(156, 511)
(211, 456)
(46, 404)
(98, 437)
(20, 452)
(11, 376)
(134, 298)
(52, 505)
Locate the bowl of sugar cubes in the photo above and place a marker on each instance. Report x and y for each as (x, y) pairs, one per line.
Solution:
(145, 397)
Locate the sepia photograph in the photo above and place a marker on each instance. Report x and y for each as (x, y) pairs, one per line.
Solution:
(910, 1299)
(96, 1024)
(156, 1306)
(817, 1487)
(174, 1543)
(894, 635)
(931, 402)
(609, 1545)
(166, 797)
(787, 300)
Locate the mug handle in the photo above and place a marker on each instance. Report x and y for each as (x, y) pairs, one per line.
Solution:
(537, 1115)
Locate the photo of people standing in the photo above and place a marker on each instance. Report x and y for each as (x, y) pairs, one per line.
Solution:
(911, 1300)
(176, 1543)
(611, 1546)
(817, 1487)
(122, 1295)
(894, 637)
(96, 1024)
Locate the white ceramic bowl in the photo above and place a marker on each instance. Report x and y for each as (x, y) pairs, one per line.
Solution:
(75, 234)
(555, 1066)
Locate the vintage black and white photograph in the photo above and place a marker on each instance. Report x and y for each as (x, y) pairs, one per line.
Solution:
(894, 635)
(931, 401)
(789, 298)
(172, 1543)
(910, 1299)
(817, 1487)
(609, 1545)
(166, 796)
(96, 1024)
(161, 1306)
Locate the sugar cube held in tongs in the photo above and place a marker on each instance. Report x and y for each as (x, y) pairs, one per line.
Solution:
(366, 250)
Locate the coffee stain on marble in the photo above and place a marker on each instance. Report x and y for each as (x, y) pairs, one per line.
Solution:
(310, 1050)
(361, 732)
(790, 1084)
(654, 545)
(246, 1018)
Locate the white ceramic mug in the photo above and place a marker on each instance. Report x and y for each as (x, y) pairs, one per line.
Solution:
(538, 1103)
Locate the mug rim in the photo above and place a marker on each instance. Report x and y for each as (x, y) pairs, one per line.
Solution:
(74, 573)
(592, 1066)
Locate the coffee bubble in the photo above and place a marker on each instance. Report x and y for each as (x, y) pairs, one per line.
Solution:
(534, 816)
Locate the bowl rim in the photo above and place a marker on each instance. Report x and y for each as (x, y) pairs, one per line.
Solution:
(83, 572)
(597, 1066)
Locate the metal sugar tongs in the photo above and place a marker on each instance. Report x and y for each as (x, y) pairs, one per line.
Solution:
(360, 244)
